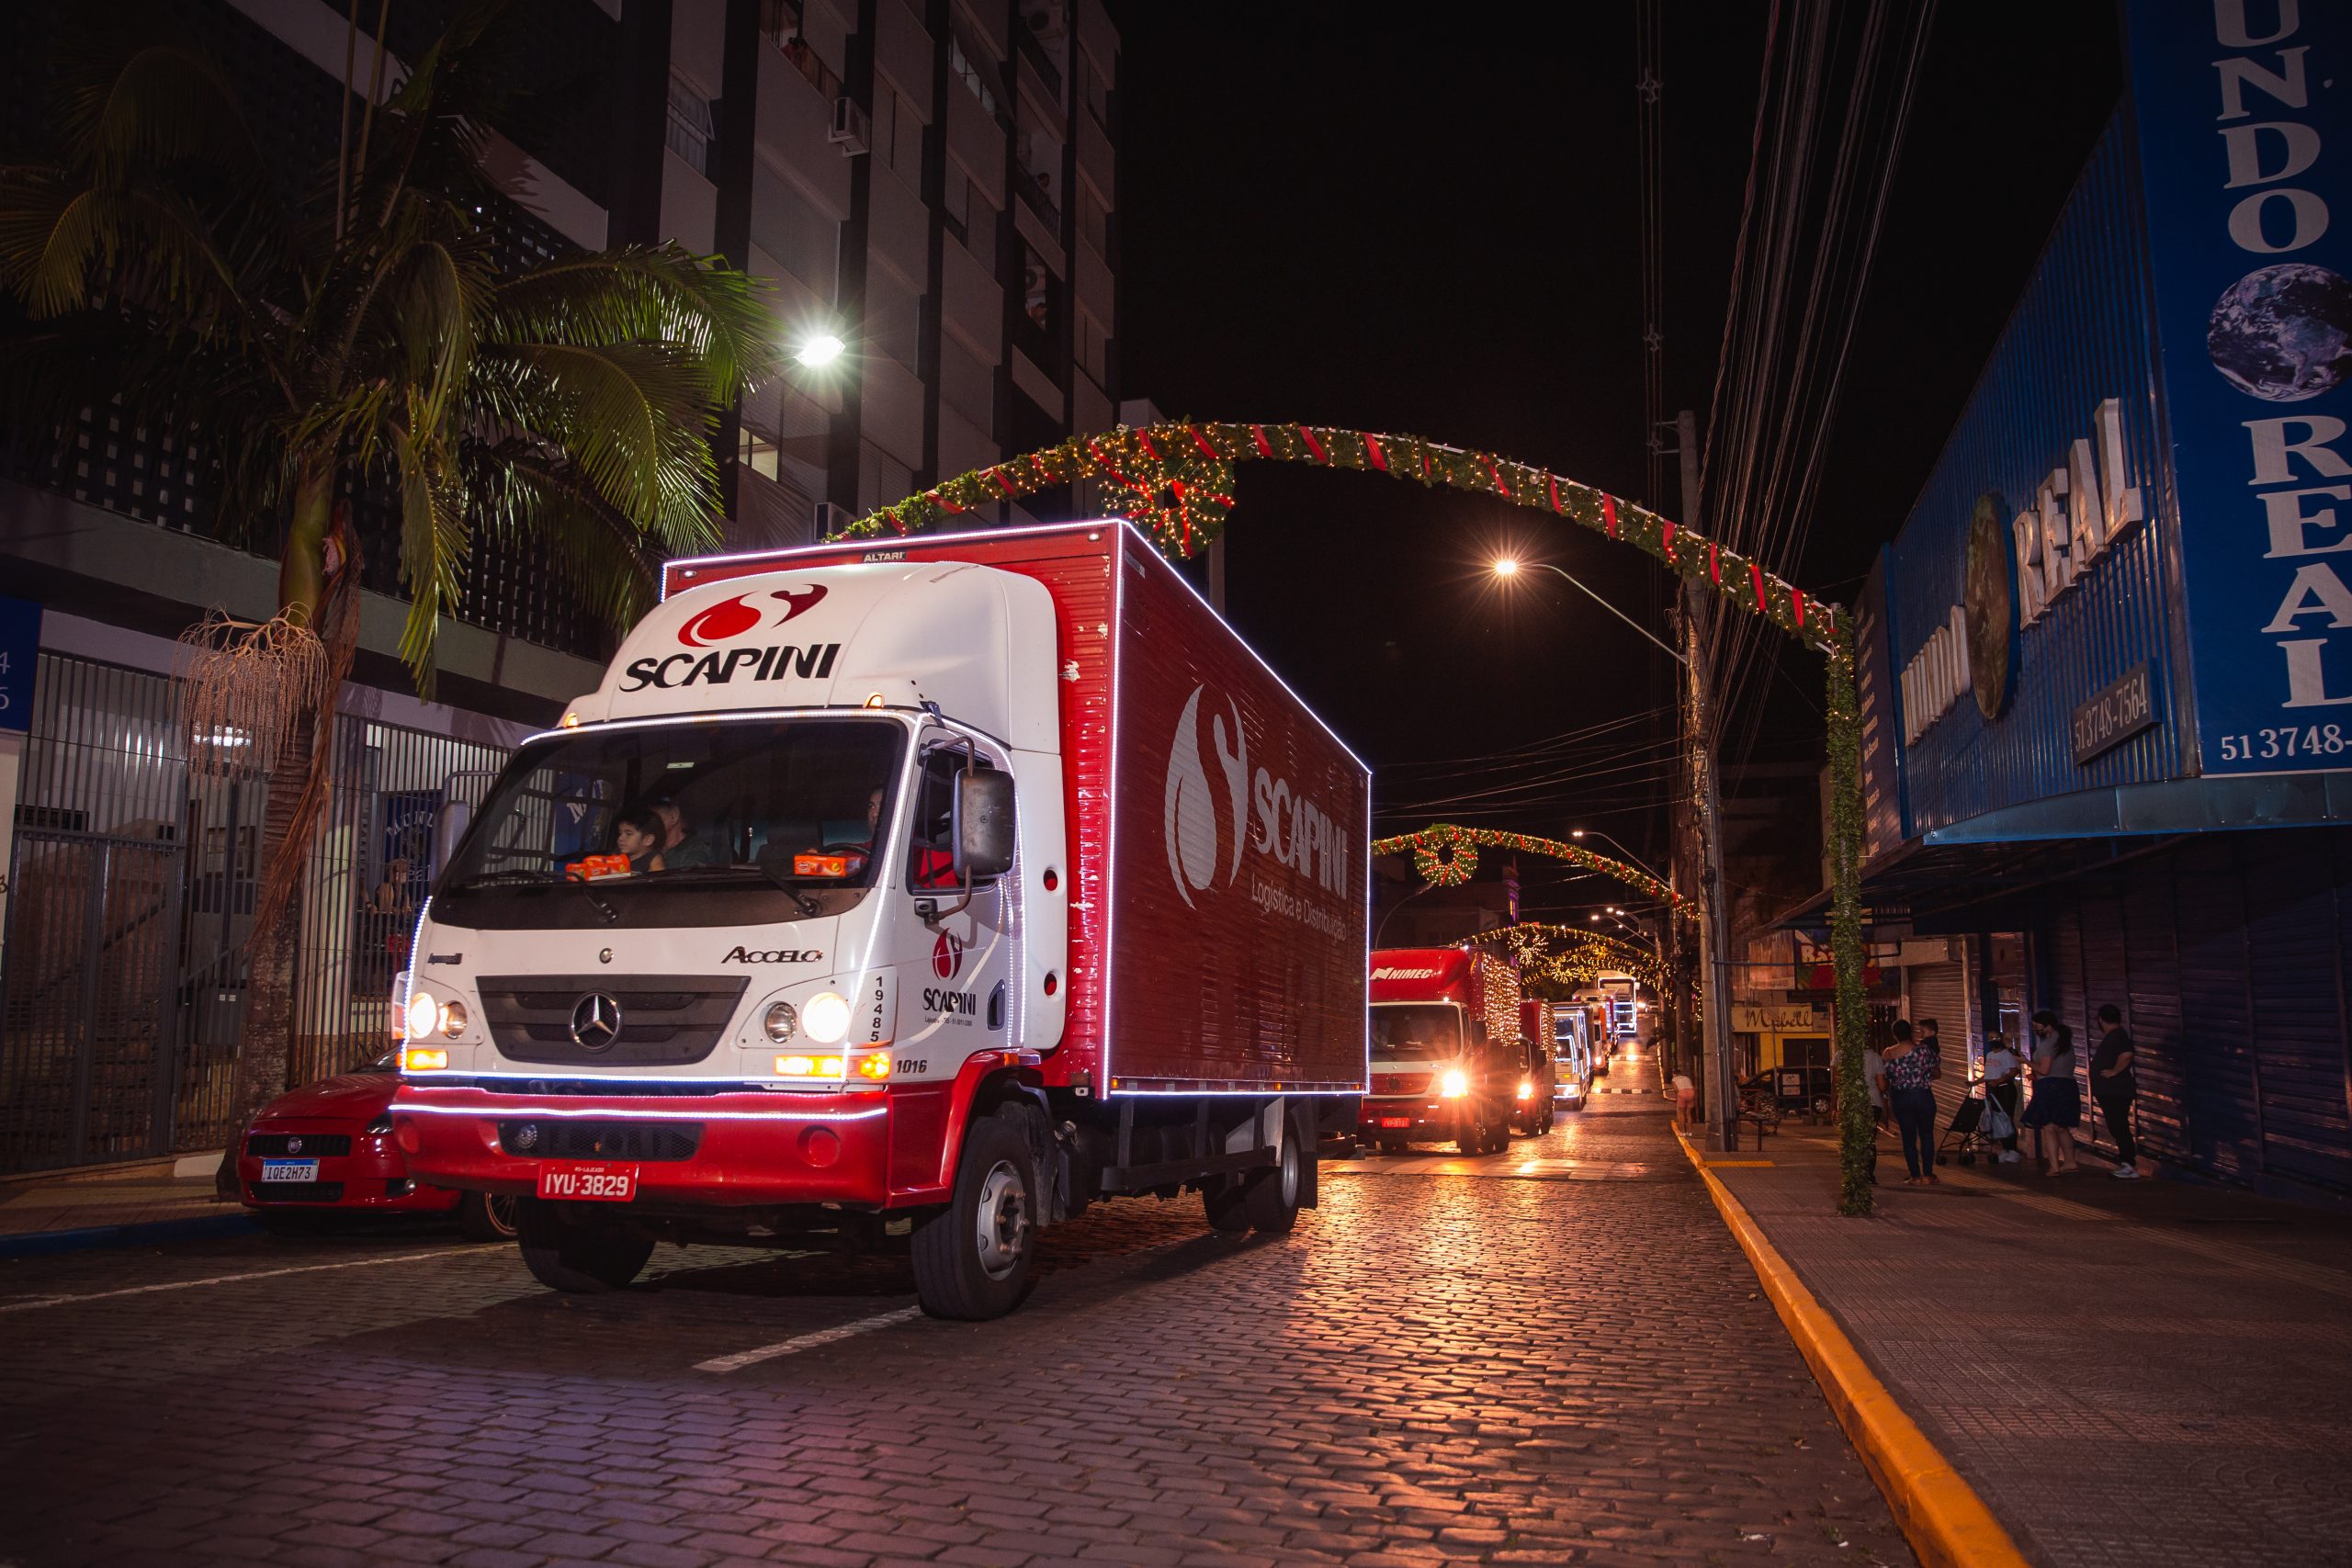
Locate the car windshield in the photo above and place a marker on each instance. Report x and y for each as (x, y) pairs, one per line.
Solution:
(1416, 1032)
(792, 802)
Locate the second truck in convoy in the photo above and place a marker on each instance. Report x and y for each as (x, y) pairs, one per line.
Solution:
(915, 894)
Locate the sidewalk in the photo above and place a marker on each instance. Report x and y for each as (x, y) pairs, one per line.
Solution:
(2130, 1374)
(66, 1210)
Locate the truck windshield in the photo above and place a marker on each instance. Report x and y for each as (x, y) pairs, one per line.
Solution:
(1415, 1032)
(789, 802)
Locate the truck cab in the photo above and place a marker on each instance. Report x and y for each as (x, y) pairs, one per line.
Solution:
(1446, 1060)
(1571, 1055)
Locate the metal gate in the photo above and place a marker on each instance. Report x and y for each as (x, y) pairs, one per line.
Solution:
(133, 888)
(87, 1007)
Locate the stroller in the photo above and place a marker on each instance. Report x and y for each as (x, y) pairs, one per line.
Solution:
(1967, 1135)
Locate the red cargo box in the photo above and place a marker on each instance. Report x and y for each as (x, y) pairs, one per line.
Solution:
(1220, 912)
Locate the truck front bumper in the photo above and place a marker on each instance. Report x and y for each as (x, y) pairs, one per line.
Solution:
(728, 1150)
(1409, 1117)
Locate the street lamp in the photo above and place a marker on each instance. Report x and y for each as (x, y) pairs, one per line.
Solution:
(1507, 567)
(819, 349)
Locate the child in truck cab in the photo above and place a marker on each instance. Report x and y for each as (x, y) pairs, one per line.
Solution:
(638, 835)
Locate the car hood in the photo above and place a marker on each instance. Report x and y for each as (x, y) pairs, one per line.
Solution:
(358, 1097)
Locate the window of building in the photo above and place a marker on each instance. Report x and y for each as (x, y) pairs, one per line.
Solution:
(1093, 348)
(755, 451)
(897, 134)
(1093, 90)
(971, 64)
(1038, 327)
(693, 131)
(1094, 219)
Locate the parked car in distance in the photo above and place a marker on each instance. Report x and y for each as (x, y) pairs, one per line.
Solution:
(1795, 1091)
(326, 1151)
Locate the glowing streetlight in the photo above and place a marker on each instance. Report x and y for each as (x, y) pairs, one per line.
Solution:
(819, 349)
(1506, 567)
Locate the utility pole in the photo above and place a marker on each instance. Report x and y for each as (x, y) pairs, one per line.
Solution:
(1718, 1087)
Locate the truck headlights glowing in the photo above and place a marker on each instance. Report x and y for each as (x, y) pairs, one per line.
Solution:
(1526, 1091)
(1454, 1085)
(875, 1065)
(808, 1066)
(781, 1023)
(826, 1018)
(418, 1060)
(453, 1019)
(423, 1015)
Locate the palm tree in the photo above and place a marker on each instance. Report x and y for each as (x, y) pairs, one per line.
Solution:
(361, 338)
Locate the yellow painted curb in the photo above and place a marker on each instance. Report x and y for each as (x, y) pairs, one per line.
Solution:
(1941, 1515)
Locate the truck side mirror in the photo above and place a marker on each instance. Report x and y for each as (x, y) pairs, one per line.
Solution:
(984, 824)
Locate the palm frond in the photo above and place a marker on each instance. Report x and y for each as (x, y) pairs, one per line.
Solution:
(648, 294)
(525, 493)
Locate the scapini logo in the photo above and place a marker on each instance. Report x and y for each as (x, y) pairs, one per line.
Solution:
(1193, 820)
(947, 957)
(734, 617)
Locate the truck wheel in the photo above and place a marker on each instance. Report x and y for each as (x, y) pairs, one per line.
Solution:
(582, 1256)
(1272, 1198)
(481, 1217)
(972, 1258)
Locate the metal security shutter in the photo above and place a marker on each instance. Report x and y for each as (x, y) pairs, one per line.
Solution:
(1940, 991)
(2152, 1009)
(2223, 1123)
(2293, 954)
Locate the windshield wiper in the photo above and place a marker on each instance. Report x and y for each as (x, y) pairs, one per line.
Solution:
(505, 879)
(808, 907)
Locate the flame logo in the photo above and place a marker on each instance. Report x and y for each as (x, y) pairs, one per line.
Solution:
(797, 603)
(1191, 823)
(729, 617)
(946, 954)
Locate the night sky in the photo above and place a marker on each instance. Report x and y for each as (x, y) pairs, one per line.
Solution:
(1346, 217)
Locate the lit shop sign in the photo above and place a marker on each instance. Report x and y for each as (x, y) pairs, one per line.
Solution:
(2243, 117)
(2017, 567)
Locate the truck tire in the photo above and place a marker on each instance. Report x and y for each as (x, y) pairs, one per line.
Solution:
(1270, 1201)
(582, 1256)
(481, 1217)
(973, 1259)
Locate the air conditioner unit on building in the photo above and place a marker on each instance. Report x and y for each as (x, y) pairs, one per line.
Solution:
(831, 519)
(849, 132)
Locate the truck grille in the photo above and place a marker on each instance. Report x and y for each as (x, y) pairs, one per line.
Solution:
(604, 1140)
(314, 1143)
(1400, 1083)
(296, 1191)
(662, 1020)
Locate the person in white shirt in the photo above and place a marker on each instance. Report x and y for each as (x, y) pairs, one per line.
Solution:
(2002, 1086)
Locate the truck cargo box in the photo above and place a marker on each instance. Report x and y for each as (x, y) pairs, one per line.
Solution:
(1220, 884)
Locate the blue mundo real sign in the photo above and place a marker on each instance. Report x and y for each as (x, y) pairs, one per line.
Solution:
(2246, 154)
(19, 662)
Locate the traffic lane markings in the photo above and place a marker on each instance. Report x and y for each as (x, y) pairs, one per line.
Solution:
(39, 1302)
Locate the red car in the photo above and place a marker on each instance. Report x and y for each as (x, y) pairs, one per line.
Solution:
(325, 1150)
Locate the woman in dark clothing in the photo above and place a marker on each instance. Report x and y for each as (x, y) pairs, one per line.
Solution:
(2057, 1107)
(1909, 1070)
(2115, 1084)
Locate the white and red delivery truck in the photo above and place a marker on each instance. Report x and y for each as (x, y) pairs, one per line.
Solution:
(930, 889)
(1447, 1063)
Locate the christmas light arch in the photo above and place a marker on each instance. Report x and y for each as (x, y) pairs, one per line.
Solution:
(1571, 954)
(1446, 854)
(1176, 481)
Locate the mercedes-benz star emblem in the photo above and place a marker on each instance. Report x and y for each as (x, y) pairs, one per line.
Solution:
(596, 1022)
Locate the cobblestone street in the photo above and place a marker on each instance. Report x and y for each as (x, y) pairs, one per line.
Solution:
(1553, 1354)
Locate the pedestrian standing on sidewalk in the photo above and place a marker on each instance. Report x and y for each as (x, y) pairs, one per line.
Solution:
(2057, 1107)
(2115, 1084)
(1875, 1080)
(1686, 1101)
(1932, 1046)
(2003, 1084)
(1909, 1069)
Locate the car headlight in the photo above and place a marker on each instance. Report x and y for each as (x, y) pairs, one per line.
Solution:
(423, 1015)
(826, 1018)
(379, 1127)
(781, 1023)
(1454, 1085)
(453, 1019)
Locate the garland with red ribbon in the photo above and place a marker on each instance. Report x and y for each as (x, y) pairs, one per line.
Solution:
(1446, 854)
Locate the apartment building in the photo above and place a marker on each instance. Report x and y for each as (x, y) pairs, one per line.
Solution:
(931, 182)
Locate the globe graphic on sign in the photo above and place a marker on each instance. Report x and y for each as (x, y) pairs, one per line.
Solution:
(2284, 332)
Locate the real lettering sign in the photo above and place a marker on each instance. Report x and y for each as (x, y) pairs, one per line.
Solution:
(2245, 154)
(2114, 715)
(19, 660)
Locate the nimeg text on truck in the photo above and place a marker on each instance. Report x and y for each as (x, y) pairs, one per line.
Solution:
(907, 895)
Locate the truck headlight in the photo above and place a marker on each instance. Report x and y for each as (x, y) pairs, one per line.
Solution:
(453, 1019)
(781, 1023)
(423, 1015)
(420, 1061)
(1526, 1090)
(1454, 1085)
(826, 1018)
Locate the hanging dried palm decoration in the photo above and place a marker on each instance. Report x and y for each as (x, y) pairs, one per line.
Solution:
(241, 686)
